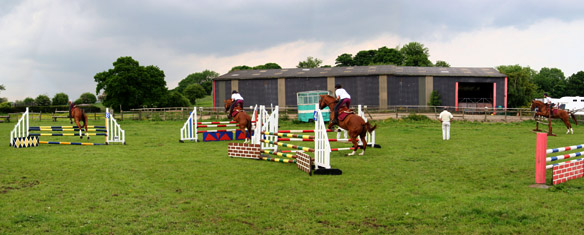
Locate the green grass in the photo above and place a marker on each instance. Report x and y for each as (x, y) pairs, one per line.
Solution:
(416, 183)
(207, 101)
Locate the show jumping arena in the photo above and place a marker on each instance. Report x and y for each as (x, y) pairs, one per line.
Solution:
(561, 172)
(22, 137)
(191, 129)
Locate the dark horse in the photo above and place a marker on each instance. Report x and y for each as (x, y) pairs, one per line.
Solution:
(243, 119)
(543, 110)
(356, 126)
(79, 115)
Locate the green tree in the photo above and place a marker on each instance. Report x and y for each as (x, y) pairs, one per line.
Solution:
(575, 84)
(175, 99)
(208, 85)
(415, 54)
(310, 62)
(131, 85)
(42, 100)
(268, 66)
(550, 80)
(386, 55)
(364, 58)
(435, 99)
(28, 101)
(2, 87)
(344, 60)
(521, 89)
(60, 99)
(87, 98)
(442, 63)
(194, 92)
(196, 78)
(240, 67)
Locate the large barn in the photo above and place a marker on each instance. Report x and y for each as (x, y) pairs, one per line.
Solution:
(377, 86)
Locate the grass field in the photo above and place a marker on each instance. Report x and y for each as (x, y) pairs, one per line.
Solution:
(478, 182)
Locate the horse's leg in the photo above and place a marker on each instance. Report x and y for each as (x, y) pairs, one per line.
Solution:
(79, 127)
(85, 125)
(362, 136)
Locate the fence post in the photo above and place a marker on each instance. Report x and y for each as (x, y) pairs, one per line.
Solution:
(540, 158)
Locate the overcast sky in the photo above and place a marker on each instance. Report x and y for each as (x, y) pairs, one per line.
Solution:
(51, 46)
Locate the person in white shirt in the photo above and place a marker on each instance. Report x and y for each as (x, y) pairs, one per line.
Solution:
(445, 118)
(237, 100)
(344, 99)
(548, 100)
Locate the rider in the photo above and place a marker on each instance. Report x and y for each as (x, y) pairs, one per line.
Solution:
(236, 99)
(71, 105)
(548, 101)
(344, 99)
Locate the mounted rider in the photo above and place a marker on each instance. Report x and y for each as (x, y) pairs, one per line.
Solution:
(237, 100)
(344, 99)
(548, 101)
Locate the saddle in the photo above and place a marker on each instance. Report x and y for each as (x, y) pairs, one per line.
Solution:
(236, 111)
(344, 113)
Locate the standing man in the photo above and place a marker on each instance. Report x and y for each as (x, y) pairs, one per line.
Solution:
(344, 99)
(237, 100)
(445, 118)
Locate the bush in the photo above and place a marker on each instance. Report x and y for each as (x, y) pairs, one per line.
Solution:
(5, 107)
(416, 117)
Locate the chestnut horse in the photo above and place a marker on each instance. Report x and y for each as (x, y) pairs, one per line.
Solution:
(356, 126)
(543, 110)
(243, 119)
(79, 115)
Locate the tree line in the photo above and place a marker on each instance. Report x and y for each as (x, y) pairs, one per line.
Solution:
(130, 85)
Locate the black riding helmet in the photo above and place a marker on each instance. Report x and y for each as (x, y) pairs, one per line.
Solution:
(338, 86)
(233, 92)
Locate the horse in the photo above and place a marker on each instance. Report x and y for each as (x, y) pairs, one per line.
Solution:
(543, 110)
(356, 126)
(243, 119)
(79, 115)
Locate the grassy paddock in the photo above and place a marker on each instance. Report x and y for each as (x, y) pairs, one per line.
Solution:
(416, 183)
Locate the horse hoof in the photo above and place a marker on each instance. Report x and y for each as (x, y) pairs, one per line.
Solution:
(362, 153)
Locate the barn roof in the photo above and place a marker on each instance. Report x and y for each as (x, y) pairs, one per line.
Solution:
(362, 71)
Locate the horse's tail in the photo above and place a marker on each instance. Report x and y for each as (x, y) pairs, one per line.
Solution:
(368, 128)
(574, 117)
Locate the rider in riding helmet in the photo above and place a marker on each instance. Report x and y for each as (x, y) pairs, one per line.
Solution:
(344, 99)
(548, 100)
(236, 99)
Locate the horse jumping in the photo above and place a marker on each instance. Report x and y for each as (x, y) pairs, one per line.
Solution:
(543, 110)
(79, 115)
(356, 126)
(243, 119)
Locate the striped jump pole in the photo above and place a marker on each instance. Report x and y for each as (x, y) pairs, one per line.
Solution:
(69, 143)
(312, 140)
(284, 160)
(224, 122)
(289, 145)
(561, 172)
(281, 154)
(67, 134)
(39, 129)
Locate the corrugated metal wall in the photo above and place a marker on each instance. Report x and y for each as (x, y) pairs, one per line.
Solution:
(364, 90)
(222, 92)
(403, 90)
(261, 92)
(295, 85)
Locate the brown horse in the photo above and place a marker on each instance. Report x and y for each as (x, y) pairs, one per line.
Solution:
(543, 110)
(356, 126)
(243, 119)
(79, 115)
